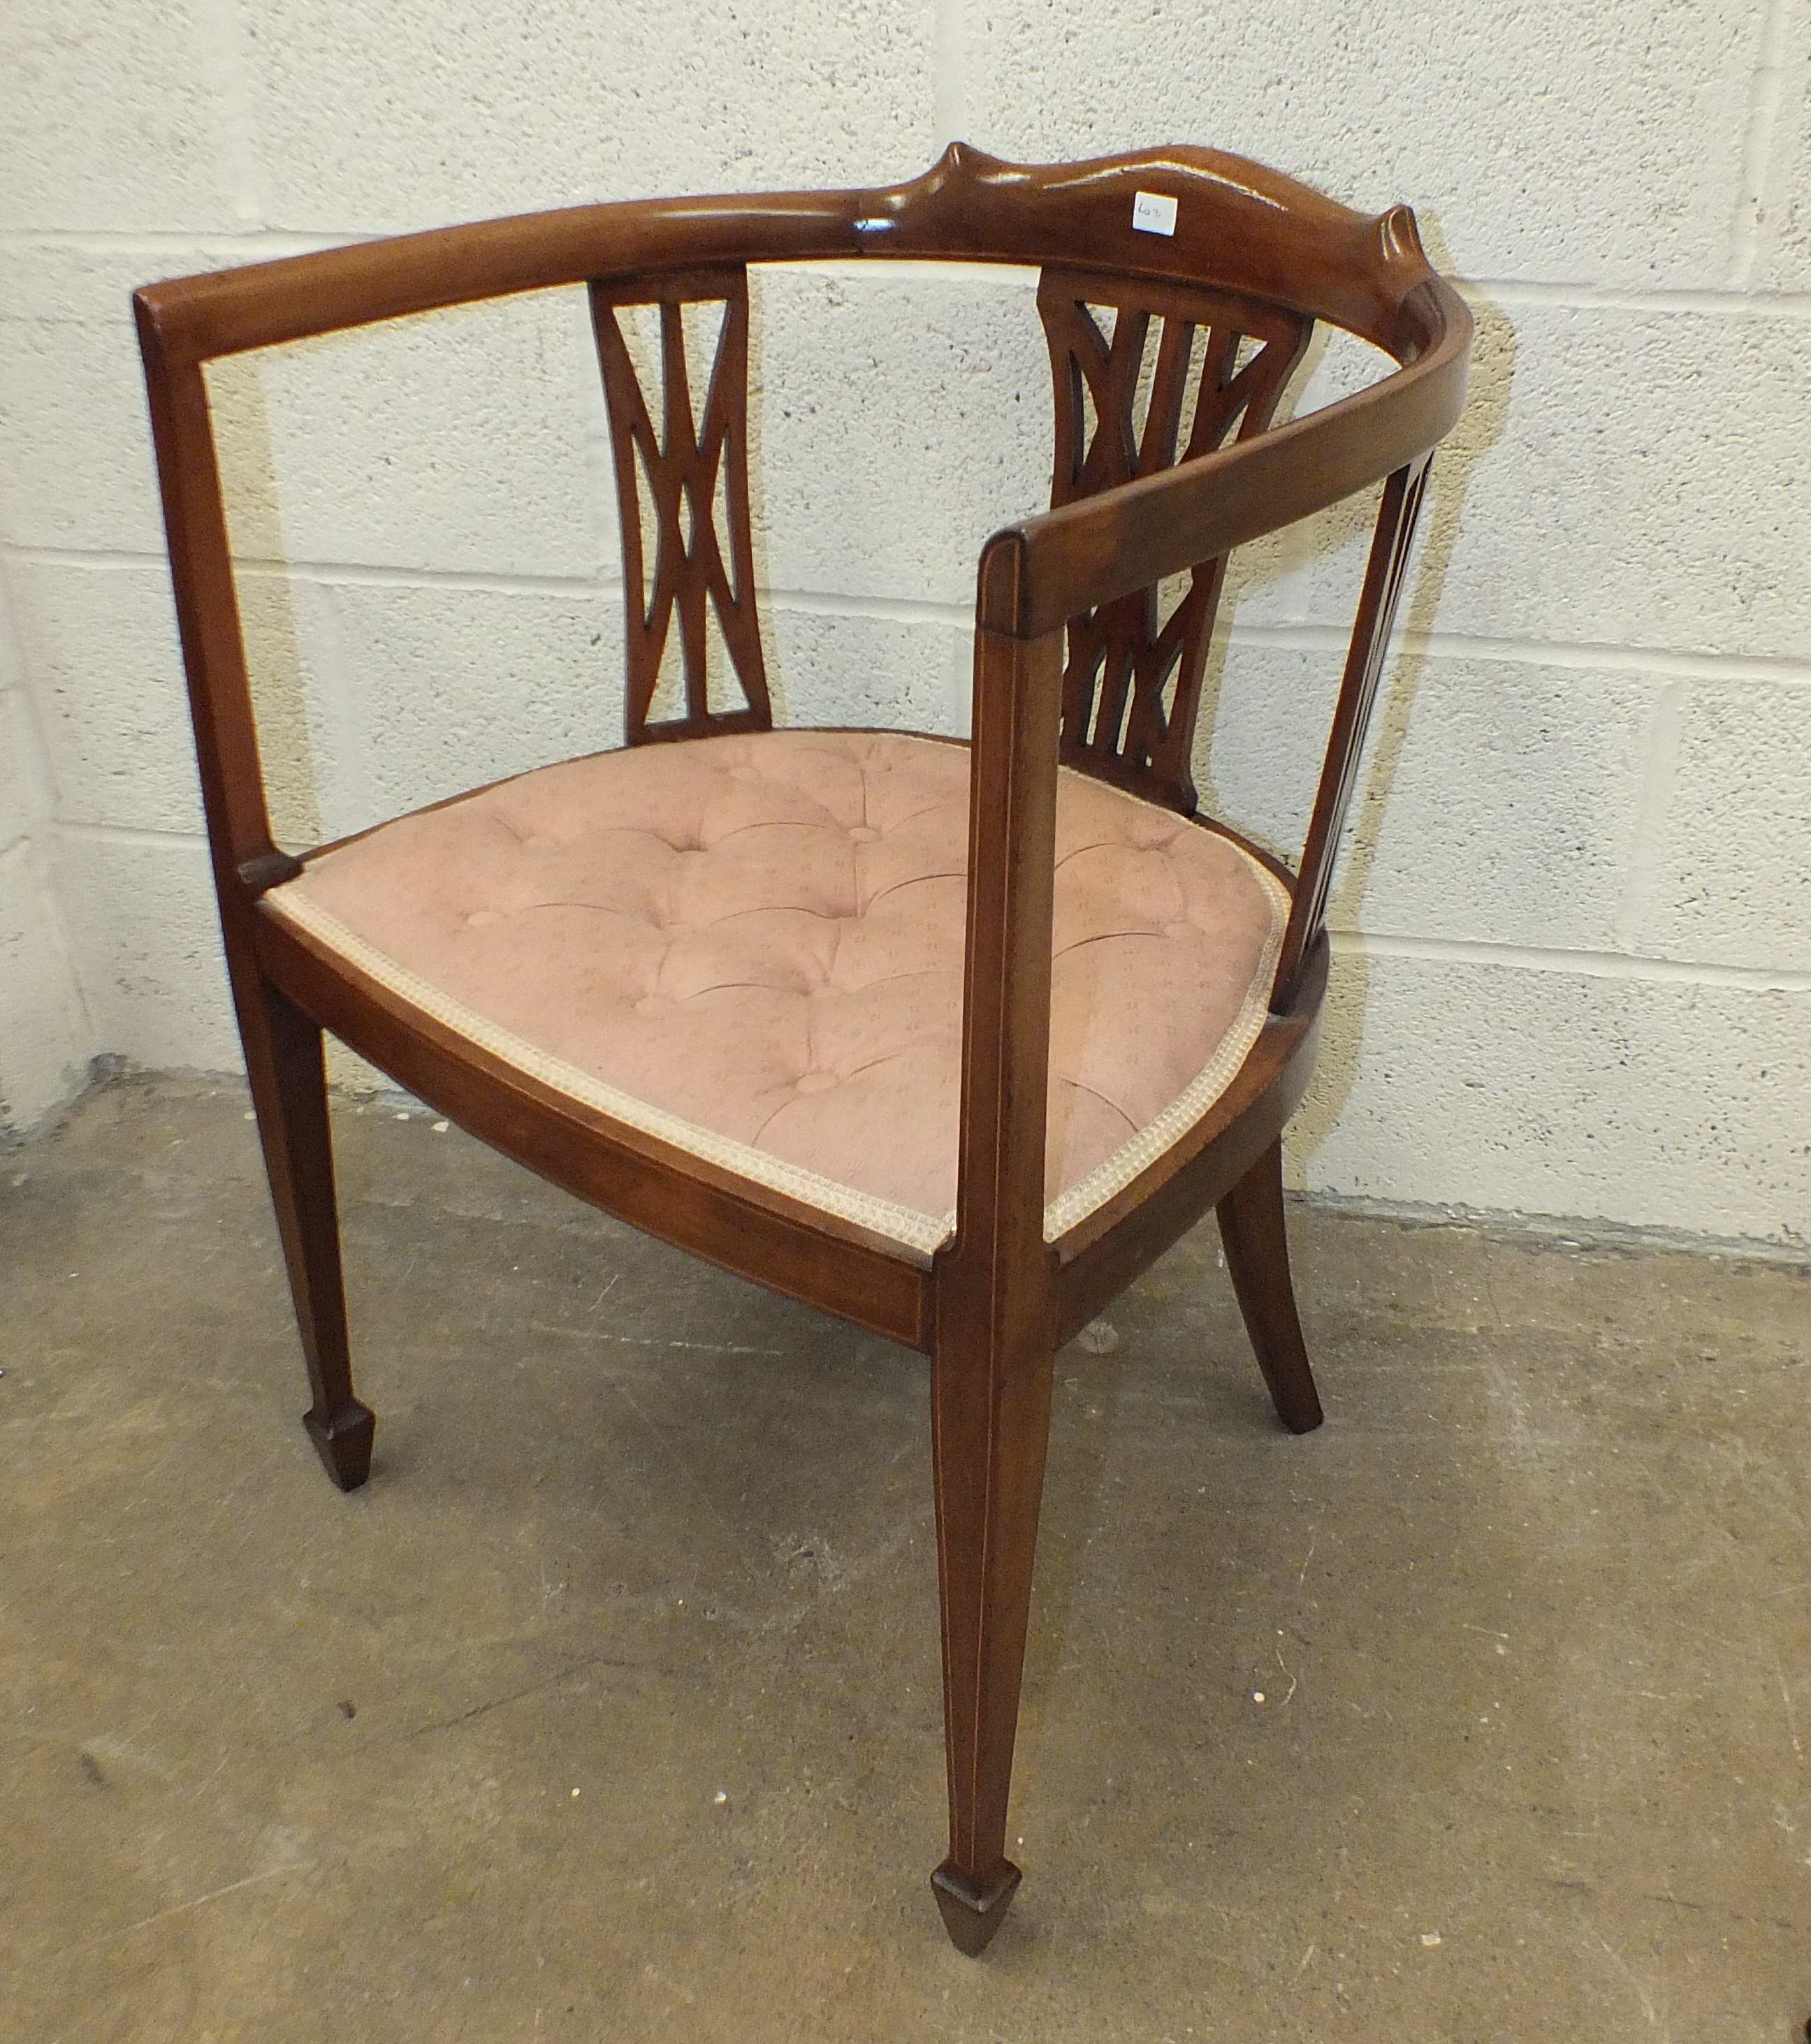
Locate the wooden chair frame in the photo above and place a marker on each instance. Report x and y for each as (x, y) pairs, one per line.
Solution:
(1251, 252)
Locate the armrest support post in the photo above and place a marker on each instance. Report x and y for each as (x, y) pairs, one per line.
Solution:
(1383, 579)
(207, 613)
(1011, 840)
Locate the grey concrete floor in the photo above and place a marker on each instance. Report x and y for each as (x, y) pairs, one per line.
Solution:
(609, 1709)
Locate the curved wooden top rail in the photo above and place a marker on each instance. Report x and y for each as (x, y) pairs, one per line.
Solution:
(1239, 227)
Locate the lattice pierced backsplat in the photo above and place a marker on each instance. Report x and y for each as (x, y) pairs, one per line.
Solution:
(693, 471)
(1132, 687)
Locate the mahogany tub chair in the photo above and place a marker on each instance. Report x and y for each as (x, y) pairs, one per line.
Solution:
(952, 1040)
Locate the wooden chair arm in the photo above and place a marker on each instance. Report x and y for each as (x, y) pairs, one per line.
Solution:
(1068, 561)
(1037, 574)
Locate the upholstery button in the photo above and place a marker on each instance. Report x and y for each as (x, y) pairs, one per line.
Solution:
(817, 1082)
(479, 917)
(1180, 930)
(653, 1004)
(863, 835)
(745, 774)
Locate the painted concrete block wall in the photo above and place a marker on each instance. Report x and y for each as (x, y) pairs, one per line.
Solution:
(1574, 921)
(47, 1035)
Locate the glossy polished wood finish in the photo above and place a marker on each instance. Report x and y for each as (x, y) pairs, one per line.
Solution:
(682, 468)
(995, 1331)
(1257, 1255)
(284, 1063)
(1254, 254)
(1131, 687)
(1389, 561)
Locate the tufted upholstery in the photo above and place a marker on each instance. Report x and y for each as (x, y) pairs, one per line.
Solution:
(753, 946)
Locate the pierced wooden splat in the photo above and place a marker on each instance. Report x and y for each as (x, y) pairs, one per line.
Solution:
(694, 469)
(1131, 685)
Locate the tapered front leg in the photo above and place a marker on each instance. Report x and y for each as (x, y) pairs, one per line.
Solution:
(285, 1059)
(1257, 1255)
(996, 1281)
(990, 1423)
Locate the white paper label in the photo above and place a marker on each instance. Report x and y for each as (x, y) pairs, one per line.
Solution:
(1152, 214)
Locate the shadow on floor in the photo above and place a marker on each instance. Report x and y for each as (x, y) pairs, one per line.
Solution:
(609, 1709)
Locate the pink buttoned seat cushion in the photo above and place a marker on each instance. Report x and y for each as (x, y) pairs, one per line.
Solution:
(751, 946)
